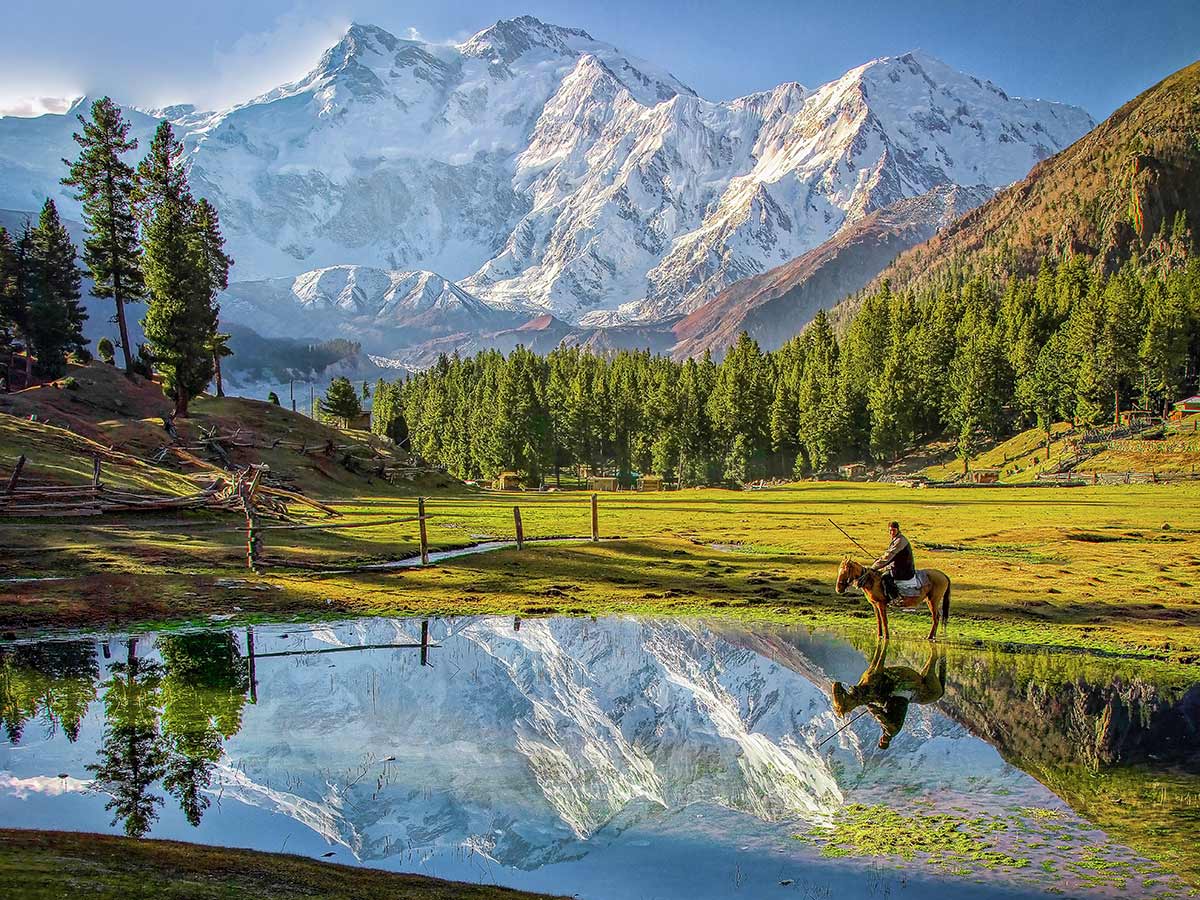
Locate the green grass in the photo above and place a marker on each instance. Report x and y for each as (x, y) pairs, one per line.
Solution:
(1020, 570)
(39, 865)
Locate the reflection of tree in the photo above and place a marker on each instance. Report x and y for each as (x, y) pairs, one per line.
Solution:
(203, 692)
(132, 755)
(55, 680)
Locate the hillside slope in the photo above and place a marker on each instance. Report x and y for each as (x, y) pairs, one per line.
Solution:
(59, 428)
(1105, 197)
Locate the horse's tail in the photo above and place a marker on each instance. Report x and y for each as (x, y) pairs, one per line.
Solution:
(946, 605)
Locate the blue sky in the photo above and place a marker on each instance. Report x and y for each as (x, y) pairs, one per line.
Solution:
(217, 52)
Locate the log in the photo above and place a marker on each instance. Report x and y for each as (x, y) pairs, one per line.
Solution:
(595, 519)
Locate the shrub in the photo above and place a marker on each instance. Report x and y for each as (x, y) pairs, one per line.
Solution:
(106, 351)
(273, 398)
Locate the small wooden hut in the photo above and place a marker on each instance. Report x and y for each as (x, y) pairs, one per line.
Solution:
(601, 483)
(1185, 408)
(984, 476)
(507, 481)
(650, 483)
(850, 471)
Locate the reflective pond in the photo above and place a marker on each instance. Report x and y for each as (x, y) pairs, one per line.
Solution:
(617, 758)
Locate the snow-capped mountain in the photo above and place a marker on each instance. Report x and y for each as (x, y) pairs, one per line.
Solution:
(548, 172)
(383, 310)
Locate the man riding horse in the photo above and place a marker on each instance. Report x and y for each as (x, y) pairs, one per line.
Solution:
(896, 564)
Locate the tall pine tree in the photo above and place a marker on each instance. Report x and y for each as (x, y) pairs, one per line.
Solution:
(55, 315)
(8, 278)
(180, 320)
(210, 245)
(105, 184)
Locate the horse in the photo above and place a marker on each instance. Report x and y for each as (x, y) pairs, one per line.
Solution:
(871, 582)
(887, 691)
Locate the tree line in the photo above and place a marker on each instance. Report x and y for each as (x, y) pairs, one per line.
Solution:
(147, 238)
(972, 359)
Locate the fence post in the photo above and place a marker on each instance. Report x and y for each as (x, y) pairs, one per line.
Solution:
(12, 482)
(424, 533)
(253, 535)
(520, 530)
(595, 520)
(96, 471)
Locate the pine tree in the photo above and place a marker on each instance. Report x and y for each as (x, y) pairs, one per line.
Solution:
(8, 289)
(55, 316)
(105, 184)
(24, 292)
(218, 346)
(341, 401)
(181, 319)
(210, 246)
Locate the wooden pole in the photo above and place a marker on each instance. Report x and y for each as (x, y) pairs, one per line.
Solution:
(12, 482)
(520, 530)
(595, 520)
(95, 471)
(250, 657)
(424, 533)
(292, 391)
(253, 534)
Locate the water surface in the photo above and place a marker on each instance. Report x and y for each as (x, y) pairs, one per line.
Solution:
(618, 758)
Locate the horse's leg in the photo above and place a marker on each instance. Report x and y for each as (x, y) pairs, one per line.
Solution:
(933, 613)
(878, 618)
(883, 615)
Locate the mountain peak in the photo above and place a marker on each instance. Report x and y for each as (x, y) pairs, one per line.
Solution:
(509, 39)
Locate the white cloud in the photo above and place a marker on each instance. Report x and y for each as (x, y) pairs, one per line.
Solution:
(35, 106)
(41, 784)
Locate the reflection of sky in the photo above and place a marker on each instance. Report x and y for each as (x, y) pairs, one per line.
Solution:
(611, 759)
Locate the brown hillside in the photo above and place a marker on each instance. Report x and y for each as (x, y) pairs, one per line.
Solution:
(774, 305)
(97, 410)
(1106, 196)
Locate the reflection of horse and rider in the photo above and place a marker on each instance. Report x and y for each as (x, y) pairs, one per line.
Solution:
(893, 581)
(887, 691)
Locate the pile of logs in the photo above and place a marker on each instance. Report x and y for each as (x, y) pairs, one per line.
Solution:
(36, 499)
(30, 498)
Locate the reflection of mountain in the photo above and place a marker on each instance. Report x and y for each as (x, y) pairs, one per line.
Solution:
(522, 744)
(571, 754)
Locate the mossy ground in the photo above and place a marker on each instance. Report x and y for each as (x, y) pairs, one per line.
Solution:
(1031, 847)
(39, 865)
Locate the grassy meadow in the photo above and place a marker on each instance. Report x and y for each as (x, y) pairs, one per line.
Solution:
(1112, 568)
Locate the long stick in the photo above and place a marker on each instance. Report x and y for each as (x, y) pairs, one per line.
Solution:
(844, 727)
(851, 540)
